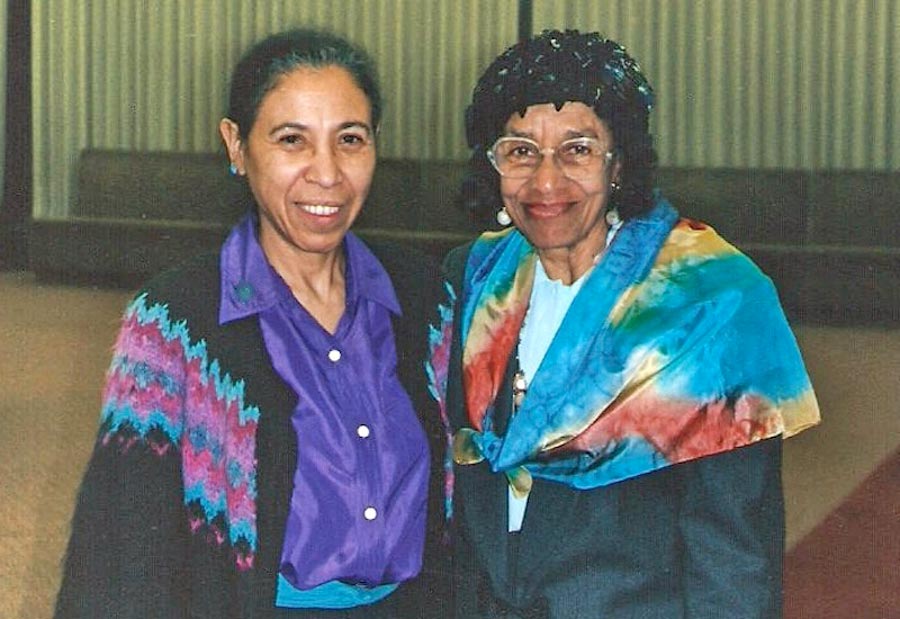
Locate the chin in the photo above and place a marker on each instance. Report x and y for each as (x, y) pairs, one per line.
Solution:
(324, 244)
(548, 239)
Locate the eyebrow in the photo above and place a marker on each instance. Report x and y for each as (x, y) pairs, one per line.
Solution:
(582, 133)
(350, 124)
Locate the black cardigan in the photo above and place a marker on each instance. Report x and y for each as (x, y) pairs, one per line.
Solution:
(132, 553)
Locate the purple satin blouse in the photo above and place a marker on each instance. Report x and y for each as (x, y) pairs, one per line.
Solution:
(357, 512)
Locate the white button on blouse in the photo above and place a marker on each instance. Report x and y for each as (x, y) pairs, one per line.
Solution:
(363, 431)
(334, 355)
(370, 513)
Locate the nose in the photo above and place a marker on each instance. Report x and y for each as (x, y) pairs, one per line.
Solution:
(324, 168)
(549, 172)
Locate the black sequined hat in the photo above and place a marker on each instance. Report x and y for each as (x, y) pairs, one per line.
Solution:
(556, 67)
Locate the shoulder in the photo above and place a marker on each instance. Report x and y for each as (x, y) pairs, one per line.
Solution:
(456, 258)
(695, 251)
(184, 298)
(188, 288)
(414, 274)
(402, 262)
(454, 266)
(188, 279)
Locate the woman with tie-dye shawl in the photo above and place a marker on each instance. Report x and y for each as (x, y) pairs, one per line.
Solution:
(615, 380)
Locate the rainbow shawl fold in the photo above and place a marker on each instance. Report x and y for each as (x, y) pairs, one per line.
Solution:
(675, 348)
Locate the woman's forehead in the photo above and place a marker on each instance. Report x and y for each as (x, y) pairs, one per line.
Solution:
(306, 94)
(571, 120)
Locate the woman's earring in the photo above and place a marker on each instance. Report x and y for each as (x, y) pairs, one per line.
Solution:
(503, 217)
(612, 214)
(612, 217)
(232, 169)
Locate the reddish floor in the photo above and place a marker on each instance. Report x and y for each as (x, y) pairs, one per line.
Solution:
(57, 341)
(849, 565)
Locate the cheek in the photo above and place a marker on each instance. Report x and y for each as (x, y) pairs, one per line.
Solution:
(510, 190)
(360, 178)
(273, 174)
(260, 166)
(268, 184)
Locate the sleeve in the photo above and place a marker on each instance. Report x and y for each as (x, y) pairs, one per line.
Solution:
(732, 525)
(442, 362)
(434, 582)
(127, 551)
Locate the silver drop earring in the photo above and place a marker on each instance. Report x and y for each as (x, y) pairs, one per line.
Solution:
(232, 169)
(612, 214)
(503, 217)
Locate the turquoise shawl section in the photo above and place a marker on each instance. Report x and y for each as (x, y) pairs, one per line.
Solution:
(675, 348)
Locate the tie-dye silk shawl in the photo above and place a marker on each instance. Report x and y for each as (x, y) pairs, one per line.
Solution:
(675, 348)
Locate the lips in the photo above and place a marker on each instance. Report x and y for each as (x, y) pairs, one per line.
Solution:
(544, 210)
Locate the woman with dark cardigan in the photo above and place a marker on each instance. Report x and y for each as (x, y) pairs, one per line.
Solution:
(259, 453)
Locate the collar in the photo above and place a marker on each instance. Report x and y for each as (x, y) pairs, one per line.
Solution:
(249, 284)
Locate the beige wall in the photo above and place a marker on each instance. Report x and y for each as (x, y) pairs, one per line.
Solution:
(741, 83)
(760, 83)
(142, 75)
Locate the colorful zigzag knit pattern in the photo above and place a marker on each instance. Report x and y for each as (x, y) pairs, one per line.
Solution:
(165, 392)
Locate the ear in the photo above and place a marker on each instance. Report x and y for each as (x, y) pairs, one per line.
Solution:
(231, 137)
(615, 170)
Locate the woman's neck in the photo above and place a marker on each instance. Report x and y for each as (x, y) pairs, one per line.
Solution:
(568, 264)
(318, 283)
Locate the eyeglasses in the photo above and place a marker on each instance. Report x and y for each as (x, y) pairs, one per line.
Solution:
(579, 158)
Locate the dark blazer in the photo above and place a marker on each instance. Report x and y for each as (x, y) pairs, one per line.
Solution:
(700, 539)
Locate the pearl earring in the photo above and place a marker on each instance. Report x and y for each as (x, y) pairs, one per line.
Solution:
(612, 217)
(503, 217)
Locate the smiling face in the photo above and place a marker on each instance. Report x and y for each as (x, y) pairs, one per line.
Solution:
(309, 159)
(560, 217)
